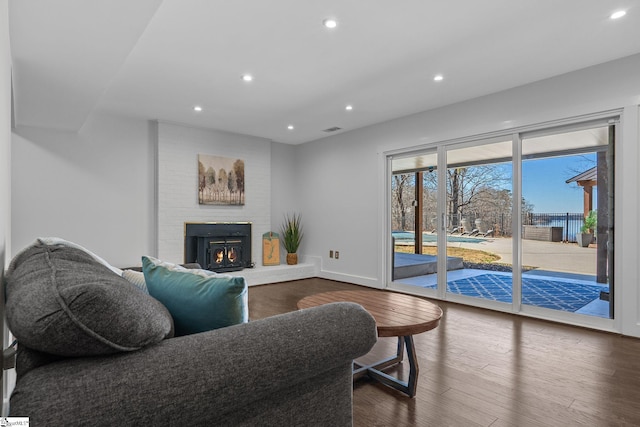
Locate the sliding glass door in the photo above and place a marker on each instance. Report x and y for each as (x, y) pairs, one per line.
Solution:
(478, 208)
(475, 190)
(520, 222)
(414, 220)
(567, 183)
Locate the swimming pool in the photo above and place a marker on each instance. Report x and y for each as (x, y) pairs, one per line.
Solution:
(406, 236)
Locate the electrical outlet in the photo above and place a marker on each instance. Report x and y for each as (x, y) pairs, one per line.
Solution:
(337, 254)
(330, 254)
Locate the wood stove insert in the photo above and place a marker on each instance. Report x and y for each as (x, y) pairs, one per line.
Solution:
(218, 246)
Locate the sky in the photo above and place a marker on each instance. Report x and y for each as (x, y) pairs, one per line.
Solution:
(543, 183)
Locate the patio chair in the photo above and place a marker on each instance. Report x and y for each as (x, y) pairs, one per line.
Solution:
(489, 233)
(472, 233)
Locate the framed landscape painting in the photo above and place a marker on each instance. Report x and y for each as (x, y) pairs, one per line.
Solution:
(220, 180)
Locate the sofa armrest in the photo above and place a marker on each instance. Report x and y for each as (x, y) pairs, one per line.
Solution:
(201, 378)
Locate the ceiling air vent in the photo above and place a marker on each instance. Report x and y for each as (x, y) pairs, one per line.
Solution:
(333, 129)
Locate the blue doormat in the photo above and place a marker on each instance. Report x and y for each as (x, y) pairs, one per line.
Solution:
(557, 295)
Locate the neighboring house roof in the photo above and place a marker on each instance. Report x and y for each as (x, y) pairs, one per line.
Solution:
(588, 175)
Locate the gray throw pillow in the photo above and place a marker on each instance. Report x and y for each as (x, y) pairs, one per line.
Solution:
(63, 302)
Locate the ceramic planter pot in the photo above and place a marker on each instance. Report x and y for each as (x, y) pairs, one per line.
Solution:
(584, 239)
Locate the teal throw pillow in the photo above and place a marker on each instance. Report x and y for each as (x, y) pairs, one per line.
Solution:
(198, 300)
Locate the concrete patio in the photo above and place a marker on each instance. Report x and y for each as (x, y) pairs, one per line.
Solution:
(548, 256)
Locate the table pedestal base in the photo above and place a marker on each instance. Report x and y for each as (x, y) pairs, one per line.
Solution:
(374, 370)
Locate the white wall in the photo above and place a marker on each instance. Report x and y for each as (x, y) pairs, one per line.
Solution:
(178, 149)
(342, 192)
(5, 135)
(5, 169)
(94, 187)
(338, 197)
(284, 187)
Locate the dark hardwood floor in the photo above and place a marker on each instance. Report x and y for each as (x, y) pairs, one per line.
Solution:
(485, 368)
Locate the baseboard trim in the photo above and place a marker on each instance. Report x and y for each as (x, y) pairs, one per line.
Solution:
(349, 278)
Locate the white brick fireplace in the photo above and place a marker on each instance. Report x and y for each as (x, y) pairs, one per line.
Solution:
(177, 195)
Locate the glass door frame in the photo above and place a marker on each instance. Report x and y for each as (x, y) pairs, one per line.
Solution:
(610, 118)
(443, 149)
(388, 241)
(609, 121)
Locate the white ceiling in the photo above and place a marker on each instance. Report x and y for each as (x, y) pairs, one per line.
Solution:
(157, 59)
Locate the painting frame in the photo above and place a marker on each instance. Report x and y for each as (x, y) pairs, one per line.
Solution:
(220, 180)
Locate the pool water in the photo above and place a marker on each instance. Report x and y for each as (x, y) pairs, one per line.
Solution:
(405, 236)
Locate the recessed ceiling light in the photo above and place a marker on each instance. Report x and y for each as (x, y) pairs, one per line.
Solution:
(330, 23)
(197, 108)
(247, 77)
(349, 107)
(618, 14)
(438, 78)
(290, 127)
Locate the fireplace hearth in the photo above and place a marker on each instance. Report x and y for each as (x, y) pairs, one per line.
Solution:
(218, 246)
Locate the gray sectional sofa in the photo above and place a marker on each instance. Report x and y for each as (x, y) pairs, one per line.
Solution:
(95, 350)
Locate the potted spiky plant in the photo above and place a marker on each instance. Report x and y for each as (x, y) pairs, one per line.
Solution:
(585, 237)
(292, 236)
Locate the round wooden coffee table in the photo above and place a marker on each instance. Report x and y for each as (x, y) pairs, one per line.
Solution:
(396, 315)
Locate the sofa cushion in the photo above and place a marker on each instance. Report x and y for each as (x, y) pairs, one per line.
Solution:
(198, 300)
(58, 241)
(62, 301)
(136, 278)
